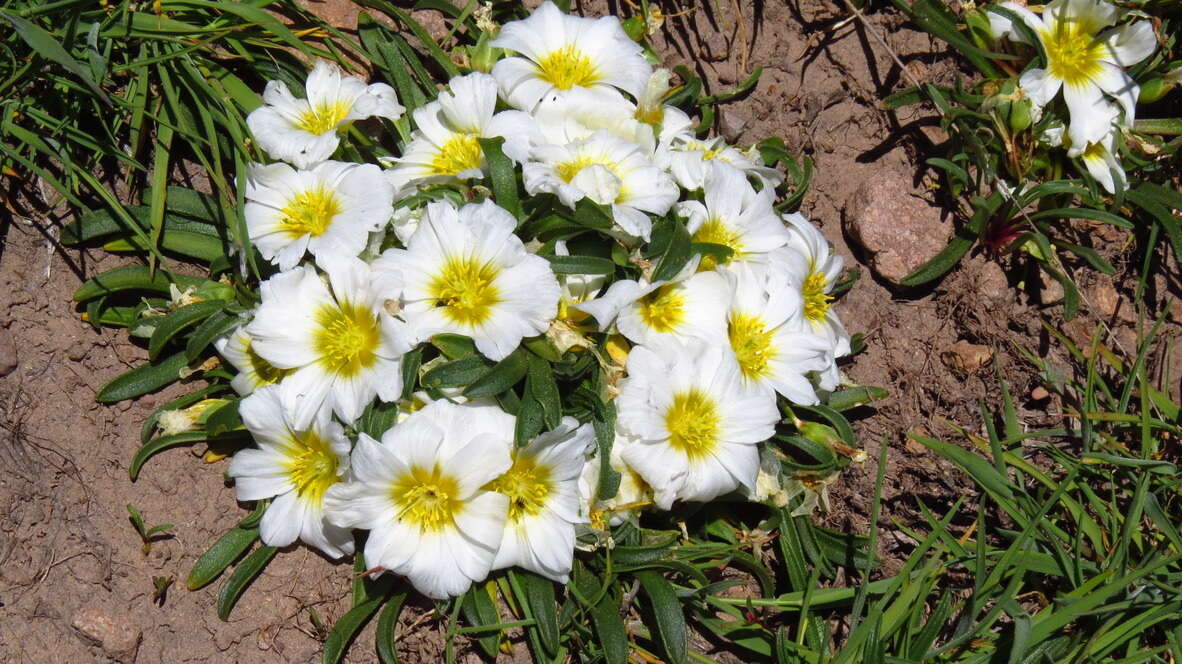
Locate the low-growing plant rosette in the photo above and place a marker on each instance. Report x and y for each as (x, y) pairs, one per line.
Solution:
(553, 321)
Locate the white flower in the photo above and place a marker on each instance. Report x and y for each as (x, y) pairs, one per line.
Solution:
(564, 52)
(1100, 160)
(444, 146)
(304, 131)
(765, 332)
(421, 492)
(610, 171)
(543, 492)
(465, 272)
(691, 306)
(1084, 62)
(812, 268)
(295, 466)
(575, 288)
(578, 113)
(253, 371)
(688, 159)
(341, 345)
(651, 109)
(734, 215)
(328, 210)
(695, 425)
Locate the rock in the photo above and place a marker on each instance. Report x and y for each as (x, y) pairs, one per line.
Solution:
(117, 636)
(991, 282)
(1108, 302)
(898, 229)
(1039, 393)
(965, 357)
(8, 358)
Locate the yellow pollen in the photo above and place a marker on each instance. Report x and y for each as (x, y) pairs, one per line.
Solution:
(1073, 52)
(752, 343)
(693, 423)
(460, 153)
(425, 498)
(346, 339)
(466, 290)
(527, 485)
(268, 374)
(567, 67)
(323, 118)
(311, 466)
(650, 114)
(717, 232)
(310, 212)
(816, 300)
(663, 310)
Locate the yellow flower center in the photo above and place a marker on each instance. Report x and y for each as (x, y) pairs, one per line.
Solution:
(311, 466)
(425, 498)
(527, 485)
(310, 212)
(567, 67)
(346, 338)
(816, 300)
(663, 310)
(460, 153)
(717, 232)
(693, 423)
(1073, 52)
(267, 373)
(466, 291)
(323, 118)
(752, 343)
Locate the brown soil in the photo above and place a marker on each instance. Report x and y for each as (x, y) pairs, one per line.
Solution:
(67, 548)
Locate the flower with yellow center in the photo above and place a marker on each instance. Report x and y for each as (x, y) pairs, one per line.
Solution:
(774, 350)
(543, 492)
(295, 467)
(735, 215)
(691, 426)
(304, 131)
(328, 210)
(632, 494)
(610, 171)
(423, 493)
(561, 53)
(253, 371)
(444, 146)
(341, 347)
(465, 272)
(1084, 57)
(812, 270)
(690, 160)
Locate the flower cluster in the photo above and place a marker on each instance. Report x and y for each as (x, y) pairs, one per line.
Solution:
(377, 260)
(1086, 55)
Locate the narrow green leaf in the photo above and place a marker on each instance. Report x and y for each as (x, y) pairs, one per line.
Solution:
(244, 574)
(132, 278)
(668, 619)
(220, 556)
(214, 327)
(581, 265)
(676, 256)
(171, 324)
(500, 377)
(143, 379)
(47, 47)
(160, 444)
(456, 373)
(502, 175)
(978, 468)
(347, 627)
(479, 610)
(539, 595)
(387, 624)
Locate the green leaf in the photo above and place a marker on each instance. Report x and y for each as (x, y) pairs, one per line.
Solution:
(387, 624)
(220, 556)
(160, 444)
(456, 373)
(855, 396)
(502, 175)
(225, 419)
(500, 377)
(143, 379)
(541, 386)
(676, 255)
(244, 574)
(186, 243)
(479, 610)
(668, 619)
(347, 627)
(593, 215)
(978, 468)
(539, 595)
(581, 265)
(214, 327)
(171, 324)
(609, 628)
(133, 278)
(47, 47)
(377, 418)
(454, 346)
